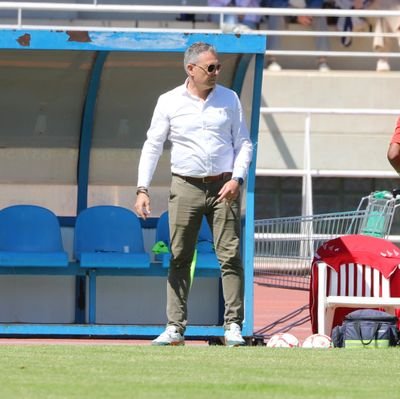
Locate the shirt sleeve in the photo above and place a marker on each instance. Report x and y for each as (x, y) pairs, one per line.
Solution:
(153, 146)
(243, 148)
(396, 134)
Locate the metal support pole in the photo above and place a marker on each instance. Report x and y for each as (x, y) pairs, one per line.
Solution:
(307, 202)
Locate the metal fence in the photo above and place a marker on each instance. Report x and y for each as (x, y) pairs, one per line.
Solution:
(284, 247)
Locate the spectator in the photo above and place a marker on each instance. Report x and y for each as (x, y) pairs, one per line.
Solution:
(382, 25)
(393, 153)
(236, 23)
(277, 22)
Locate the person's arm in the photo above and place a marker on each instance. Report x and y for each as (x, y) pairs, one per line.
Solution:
(243, 153)
(393, 153)
(393, 156)
(306, 20)
(242, 145)
(151, 152)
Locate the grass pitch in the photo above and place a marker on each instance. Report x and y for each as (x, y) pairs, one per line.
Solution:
(130, 371)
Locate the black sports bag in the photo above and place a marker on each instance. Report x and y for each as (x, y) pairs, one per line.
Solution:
(366, 328)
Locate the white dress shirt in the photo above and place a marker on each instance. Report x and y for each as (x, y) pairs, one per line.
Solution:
(208, 137)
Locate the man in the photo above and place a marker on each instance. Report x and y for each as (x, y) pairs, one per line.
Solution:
(393, 153)
(210, 155)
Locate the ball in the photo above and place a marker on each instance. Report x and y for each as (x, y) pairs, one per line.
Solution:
(283, 340)
(317, 341)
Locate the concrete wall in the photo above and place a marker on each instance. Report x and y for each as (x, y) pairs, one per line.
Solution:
(338, 142)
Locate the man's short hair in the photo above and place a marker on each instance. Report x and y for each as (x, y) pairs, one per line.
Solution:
(192, 53)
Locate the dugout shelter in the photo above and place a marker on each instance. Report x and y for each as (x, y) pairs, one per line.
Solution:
(75, 108)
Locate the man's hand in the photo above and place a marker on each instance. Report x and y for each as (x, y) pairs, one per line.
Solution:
(142, 205)
(304, 20)
(230, 191)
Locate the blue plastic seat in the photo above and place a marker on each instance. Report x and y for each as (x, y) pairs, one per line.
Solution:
(206, 257)
(30, 235)
(109, 236)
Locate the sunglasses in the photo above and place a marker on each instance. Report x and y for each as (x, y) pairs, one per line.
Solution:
(210, 68)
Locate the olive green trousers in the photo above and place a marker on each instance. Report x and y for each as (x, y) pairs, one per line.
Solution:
(188, 202)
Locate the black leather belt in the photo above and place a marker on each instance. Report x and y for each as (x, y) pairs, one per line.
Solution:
(207, 179)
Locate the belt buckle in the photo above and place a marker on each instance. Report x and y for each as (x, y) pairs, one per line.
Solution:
(204, 179)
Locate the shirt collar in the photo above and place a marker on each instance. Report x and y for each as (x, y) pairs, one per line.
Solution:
(187, 92)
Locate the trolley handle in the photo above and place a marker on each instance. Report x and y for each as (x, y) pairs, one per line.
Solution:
(388, 195)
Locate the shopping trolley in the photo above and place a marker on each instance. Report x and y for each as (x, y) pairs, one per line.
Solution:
(284, 247)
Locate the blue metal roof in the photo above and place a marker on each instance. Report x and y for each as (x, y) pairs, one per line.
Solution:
(127, 41)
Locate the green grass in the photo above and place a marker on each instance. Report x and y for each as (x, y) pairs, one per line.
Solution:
(129, 371)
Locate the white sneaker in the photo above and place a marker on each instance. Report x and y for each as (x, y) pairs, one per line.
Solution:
(382, 65)
(233, 336)
(169, 337)
(323, 67)
(274, 67)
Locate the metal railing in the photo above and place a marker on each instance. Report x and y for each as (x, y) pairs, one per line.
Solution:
(114, 11)
(158, 11)
(285, 247)
(308, 172)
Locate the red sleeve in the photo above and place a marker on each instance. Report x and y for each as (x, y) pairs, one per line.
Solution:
(396, 134)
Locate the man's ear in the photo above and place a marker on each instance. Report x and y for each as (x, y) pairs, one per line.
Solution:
(189, 69)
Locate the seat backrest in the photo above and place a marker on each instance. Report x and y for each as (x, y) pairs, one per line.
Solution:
(29, 228)
(162, 230)
(357, 280)
(107, 228)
